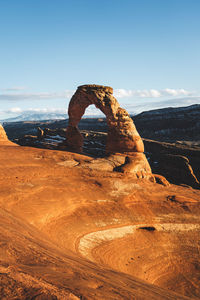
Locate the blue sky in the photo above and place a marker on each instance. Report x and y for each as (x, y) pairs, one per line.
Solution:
(147, 50)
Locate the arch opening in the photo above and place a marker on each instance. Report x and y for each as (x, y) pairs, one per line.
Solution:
(93, 127)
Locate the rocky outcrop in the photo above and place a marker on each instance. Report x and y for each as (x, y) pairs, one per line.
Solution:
(122, 134)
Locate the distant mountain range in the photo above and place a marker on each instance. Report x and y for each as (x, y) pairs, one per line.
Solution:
(150, 114)
(29, 116)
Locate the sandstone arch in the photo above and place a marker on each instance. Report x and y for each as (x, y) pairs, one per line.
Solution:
(122, 138)
(122, 134)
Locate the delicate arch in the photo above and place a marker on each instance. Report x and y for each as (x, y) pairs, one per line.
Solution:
(122, 134)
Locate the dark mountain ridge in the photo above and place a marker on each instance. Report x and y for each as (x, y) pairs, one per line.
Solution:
(170, 124)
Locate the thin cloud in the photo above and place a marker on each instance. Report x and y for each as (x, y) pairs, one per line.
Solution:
(15, 94)
(149, 105)
(35, 96)
(15, 89)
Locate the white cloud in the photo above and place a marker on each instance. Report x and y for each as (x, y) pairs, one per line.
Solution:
(152, 93)
(155, 93)
(176, 92)
(15, 110)
(122, 93)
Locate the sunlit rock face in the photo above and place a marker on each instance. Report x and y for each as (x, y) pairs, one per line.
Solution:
(122, 136)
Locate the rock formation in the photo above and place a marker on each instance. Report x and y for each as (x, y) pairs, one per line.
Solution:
(122, 134)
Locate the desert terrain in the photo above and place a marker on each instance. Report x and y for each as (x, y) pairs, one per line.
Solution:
(80, 226)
